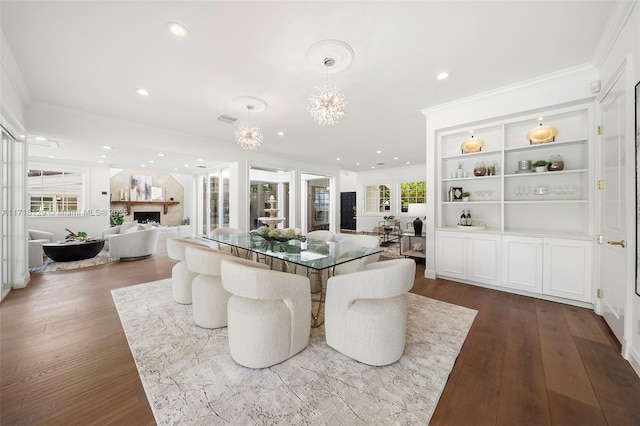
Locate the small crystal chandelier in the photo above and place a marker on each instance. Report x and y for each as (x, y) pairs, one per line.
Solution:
(247, 134)
(326, 104)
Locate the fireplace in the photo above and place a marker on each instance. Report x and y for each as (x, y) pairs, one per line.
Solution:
(146, 217)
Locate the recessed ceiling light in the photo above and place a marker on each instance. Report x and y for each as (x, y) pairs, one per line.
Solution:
(378, 152)
(540, 118)
(161, 155)
(40, 138)
(52, 156)
(442, 75)
(143, 165)
(103, 156)
(200, 159)
(100, 161)
(280, 133)
(143, 92)
(150, 161)
(395, 158)
(338, 159)
(186, 165)
(177, 29)
(175, 168)
(106, 147)
(357, 164)
(408, 162)
(373, 167)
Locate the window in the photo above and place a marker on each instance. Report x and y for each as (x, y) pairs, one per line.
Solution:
(53, 191)
(377, 198)
(321, 203)
(411, 193)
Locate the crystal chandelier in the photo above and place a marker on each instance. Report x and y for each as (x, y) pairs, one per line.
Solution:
(327, 103)
(247, 134)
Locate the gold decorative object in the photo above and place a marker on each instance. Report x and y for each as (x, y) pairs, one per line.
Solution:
(472, 145)
(542, 134)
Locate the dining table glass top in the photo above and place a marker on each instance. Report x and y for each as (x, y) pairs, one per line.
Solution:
(314, 254)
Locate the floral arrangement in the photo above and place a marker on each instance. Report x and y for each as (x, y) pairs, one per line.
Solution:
(278, 234)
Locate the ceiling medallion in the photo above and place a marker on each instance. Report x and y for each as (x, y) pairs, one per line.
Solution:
(327, 103)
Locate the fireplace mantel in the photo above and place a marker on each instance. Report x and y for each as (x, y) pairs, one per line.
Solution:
(166, 204)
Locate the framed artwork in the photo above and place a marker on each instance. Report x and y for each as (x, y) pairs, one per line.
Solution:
(140, 188)
(457, 193)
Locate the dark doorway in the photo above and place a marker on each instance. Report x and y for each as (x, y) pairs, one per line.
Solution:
(347, 210)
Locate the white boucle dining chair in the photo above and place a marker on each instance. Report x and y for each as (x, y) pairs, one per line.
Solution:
(181, 276)
(366, 311)
(209, 297)
(269, 313)
(315, 276)
(369, 241)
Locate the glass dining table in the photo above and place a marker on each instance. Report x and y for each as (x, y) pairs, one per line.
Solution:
(316, 256)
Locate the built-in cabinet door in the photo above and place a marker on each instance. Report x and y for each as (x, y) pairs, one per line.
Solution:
(567, 269)
(484, 258)
(522, 263)
(451, 254)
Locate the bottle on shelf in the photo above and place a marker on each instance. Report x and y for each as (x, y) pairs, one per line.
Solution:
(459, 172)
(463, 219)
(452, 194)
(468, 217)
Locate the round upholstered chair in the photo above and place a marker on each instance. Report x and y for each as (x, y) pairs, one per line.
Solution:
(181, 276)
(366, 311)
(209, 298)
(269, 313)
(316, 277)
(369, 241)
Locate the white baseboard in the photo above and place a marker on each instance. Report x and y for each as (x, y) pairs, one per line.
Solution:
(634, 359)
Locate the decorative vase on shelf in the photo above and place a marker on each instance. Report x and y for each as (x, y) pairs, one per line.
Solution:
(480, 169)
(555, 163)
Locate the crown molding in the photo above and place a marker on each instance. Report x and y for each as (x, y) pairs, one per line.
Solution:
(621, 13)
(12, 71)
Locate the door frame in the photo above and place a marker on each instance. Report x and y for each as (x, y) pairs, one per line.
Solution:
(624, 72)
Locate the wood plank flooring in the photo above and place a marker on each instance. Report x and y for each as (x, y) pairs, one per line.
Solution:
(64, 358)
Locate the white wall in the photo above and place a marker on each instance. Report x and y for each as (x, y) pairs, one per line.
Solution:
(626, 46)
(393, 177)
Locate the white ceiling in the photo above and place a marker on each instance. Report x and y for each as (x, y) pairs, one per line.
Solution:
(91, 57)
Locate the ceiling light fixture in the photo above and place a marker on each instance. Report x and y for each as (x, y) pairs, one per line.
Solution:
(442, 76)
(143, 92)
(248, 134)
(327, 103)
(177, 29)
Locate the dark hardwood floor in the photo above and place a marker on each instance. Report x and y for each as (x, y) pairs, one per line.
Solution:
(65, 358)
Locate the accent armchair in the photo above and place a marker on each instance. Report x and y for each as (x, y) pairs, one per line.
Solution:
(366, 311)
(36, 239)
(181, 276)
(369, 241)
(135, 244)
(269, 313)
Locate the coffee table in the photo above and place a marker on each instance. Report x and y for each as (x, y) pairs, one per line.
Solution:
(76, 250)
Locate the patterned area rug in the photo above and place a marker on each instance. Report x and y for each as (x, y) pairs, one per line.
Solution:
(51, 266)
(190, 378)
(392, 251)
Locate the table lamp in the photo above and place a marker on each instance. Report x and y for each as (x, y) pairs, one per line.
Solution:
(419, 210)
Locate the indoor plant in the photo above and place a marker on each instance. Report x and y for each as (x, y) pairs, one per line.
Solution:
(540, 166)
(389, 221)
(465, 196)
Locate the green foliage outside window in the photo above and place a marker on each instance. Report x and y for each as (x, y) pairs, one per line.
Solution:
(412, 193)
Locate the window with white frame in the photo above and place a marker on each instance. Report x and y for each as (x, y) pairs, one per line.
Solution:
(377, 198)
(412, 193)
(56, 191)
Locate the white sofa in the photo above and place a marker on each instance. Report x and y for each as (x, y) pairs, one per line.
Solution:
(131, 242)
(166, 232)
(36, 239)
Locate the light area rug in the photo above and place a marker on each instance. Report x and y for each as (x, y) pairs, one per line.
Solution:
(190, 378)
(52, 266)
(392, 251)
